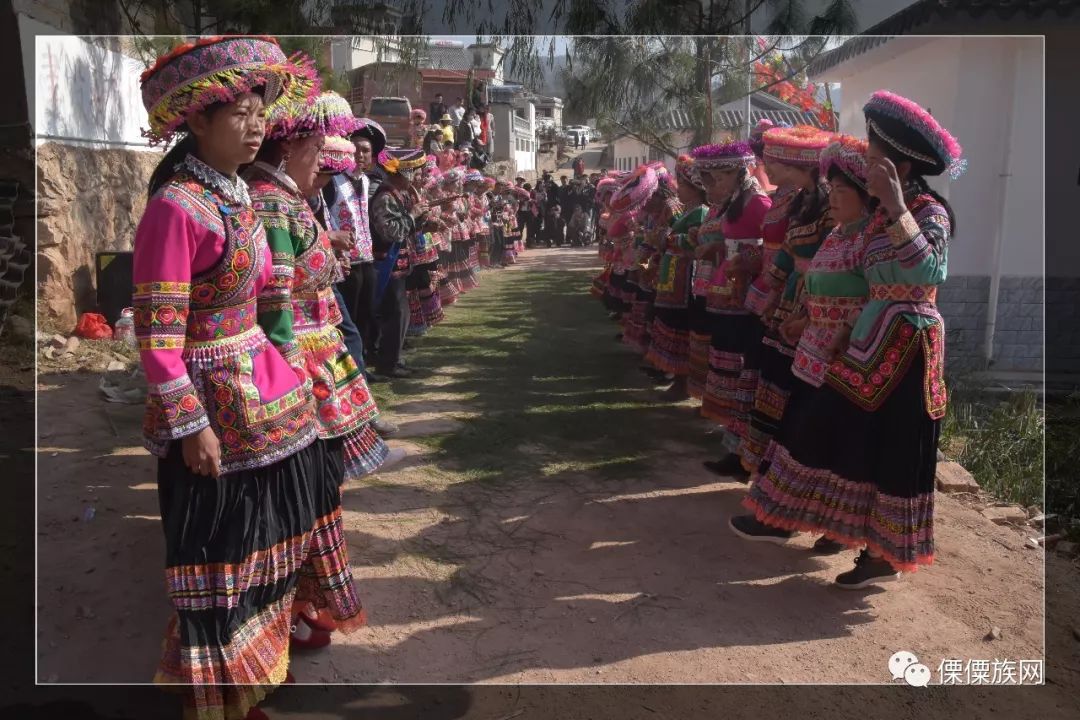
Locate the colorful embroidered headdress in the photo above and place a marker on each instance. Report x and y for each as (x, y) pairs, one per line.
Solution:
(607, 184)
(800, 145)
(848, 155)
(684, 170)
(727, 156)
(757, 143)
(636, 191)
(474, 176)
(453, 175)
(914, 132)
(403, 161)
(330, 114)
(219, 69)
(434, 176)
(338, 155)
(665, 180)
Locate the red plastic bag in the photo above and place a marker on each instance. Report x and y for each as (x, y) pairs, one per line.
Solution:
(93, 326)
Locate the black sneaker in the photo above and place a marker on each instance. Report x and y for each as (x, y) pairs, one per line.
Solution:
(825, 546)
(868, 571)
(748, 528)
(730, 466)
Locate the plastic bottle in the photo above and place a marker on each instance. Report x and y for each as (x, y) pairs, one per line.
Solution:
(125, 327)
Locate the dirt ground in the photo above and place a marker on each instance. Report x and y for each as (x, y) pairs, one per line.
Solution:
(519, 561)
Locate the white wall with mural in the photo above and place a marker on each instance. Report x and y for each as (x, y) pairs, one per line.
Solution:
(85, 94)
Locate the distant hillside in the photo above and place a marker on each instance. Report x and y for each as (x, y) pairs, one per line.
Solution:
(552, 83)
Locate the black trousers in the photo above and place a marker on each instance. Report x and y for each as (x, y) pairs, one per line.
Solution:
(393, 325)
(358, 290)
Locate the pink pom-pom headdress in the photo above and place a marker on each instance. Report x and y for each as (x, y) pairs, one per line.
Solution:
(800, 145)
(726, 156)
(338, 155)
(889, 109)
(847, 154)
(636, 191)
(330, 114)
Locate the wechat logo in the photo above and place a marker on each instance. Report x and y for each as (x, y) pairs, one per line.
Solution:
(905, 666)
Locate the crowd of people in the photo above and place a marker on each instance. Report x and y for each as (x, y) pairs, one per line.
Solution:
(285, 256)
(803, 320)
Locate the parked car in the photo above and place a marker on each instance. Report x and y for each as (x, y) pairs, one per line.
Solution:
(393, 113)
(575, 136)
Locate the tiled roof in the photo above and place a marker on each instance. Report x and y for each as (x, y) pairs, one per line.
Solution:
(923, 11)
(678, 120)
(448, 58)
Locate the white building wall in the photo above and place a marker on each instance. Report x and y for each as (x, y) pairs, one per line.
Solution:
(349, 53)
(979, 133)
(1024, 229)
(85, 94)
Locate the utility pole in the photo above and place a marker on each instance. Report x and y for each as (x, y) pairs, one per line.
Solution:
(748, 43)
(707, 72)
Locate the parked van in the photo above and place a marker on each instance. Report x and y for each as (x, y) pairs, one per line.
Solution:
(393, 113)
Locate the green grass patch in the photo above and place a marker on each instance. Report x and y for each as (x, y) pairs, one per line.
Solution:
(999, 441)
(553, 391)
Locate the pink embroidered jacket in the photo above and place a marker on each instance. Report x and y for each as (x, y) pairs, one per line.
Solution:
(201, 261)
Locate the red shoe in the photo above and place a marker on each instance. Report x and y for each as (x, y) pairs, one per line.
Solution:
(256, 714)
(316, 641)
(323, 621)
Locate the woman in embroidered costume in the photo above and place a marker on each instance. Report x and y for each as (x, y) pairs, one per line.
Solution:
(736, 257)
(516, 199)
(669, 348)
(605, 190)
(448, 286)
(421, 286)
(455, 216)
(836, 290)
(336, 161)
(477, 208)
(484, 251)
(300, 318)
(228, 419)
(478, 232)
(463, 232)
(760, 297)
(427, 254)
(869, 480)
(799, 148)
(625, 205)
(655, 214)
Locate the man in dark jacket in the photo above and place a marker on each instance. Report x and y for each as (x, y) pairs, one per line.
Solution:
(438, 108)
(394, 220)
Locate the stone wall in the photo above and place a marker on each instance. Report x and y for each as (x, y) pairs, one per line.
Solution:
(89, 201)
(1018, 329)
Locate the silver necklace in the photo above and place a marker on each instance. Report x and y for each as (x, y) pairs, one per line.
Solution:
(235, 191)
